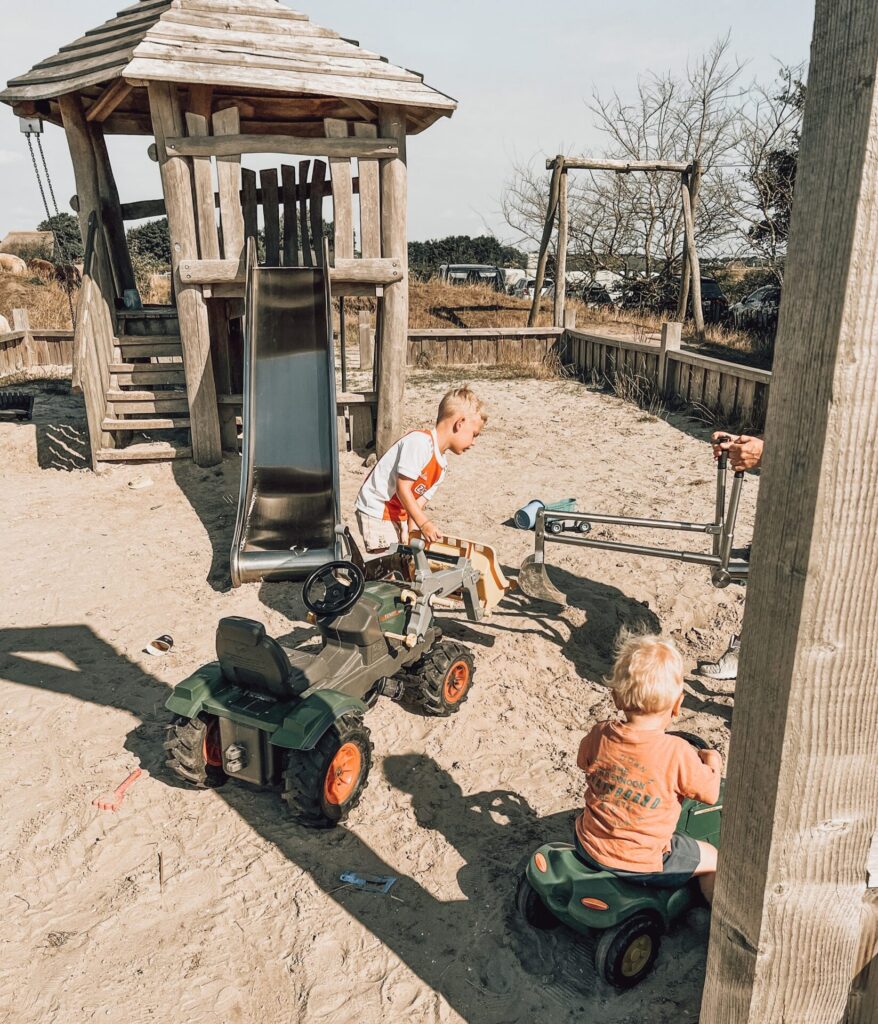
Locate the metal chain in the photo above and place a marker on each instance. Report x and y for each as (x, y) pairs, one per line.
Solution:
(62, 252)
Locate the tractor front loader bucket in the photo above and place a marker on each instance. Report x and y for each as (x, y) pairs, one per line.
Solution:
(534, 581)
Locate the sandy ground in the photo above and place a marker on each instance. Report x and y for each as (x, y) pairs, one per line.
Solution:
(248, 919)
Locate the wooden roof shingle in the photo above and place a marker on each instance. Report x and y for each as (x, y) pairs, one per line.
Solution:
(257, 45)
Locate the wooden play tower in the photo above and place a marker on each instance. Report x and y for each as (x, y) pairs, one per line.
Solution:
(211, 81)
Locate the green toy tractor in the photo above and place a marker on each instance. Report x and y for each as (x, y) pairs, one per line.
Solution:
(627, 920)
(293, 719)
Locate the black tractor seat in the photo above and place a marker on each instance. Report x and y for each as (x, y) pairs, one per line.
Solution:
(253, 660)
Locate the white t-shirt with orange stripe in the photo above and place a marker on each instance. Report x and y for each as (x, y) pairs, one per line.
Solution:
(415, 457)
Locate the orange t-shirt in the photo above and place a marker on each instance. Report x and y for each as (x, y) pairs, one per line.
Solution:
(637, 780)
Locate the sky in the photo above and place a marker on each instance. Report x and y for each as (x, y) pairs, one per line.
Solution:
(523, 74)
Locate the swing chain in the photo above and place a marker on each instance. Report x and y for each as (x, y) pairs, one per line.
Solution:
(59, 246)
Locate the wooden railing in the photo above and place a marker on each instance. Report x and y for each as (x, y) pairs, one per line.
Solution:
(718, 390)
(26, 347)
(487, 346)
(93, 350)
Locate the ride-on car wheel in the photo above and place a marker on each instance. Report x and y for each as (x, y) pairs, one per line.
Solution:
(323, 785)
(194, 753)
(441, 679)
(532, 908)
(626, 954)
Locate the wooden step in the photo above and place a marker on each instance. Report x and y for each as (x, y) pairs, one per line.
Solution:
(141, 348)
(151, 451)
(167, 406)
(178, 423)
(146, 373)
(114, 395)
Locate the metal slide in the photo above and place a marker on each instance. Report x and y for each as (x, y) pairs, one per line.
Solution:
(288, 505)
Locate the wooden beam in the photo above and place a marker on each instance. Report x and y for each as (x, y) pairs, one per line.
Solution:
(620, 166)
(692, 257)
(205, 210)
(111, 216)
(228, 177)
(239, 145)
(551, 210)
(373, 272)
(370, 197)
(392, 354)
(176, 174)
(561, 258)
(686, 272)
(342, 193)
(109, 99)
(793, 921)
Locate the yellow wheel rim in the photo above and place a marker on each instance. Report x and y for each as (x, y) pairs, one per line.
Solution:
(636, 956)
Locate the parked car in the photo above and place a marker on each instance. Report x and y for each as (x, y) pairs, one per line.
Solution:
(524, 288)
(472, 273)
(596, 295)
(662, 294)
(758, 309)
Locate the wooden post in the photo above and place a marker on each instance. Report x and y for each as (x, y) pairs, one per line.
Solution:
(793, 924)
(114, 226)
(685, 275)
(167, 121)
(554, 191)
(561, 261)
(367, 340)
(671, 333)
(85, 173)
(395, 315)
(692, 253)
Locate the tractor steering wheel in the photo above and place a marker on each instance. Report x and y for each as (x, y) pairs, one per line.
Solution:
(333, 588)
(690, 737)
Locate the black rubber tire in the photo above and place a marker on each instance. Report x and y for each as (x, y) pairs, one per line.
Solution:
(305, 774)
(184, 743)
(532, 909)
(425, 685)
(614, 943)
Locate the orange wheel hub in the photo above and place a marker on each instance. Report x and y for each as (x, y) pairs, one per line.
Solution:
(211, 748)
(343, 774)
(456, 682)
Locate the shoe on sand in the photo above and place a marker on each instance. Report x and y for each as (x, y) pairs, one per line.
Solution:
(725, 667)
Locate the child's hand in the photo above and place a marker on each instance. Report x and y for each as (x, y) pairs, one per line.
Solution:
(429, 531)
(712, 758)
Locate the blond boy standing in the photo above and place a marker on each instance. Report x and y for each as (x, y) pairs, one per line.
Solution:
(394, 495)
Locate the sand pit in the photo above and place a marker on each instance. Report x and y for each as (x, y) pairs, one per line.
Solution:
(248, 919)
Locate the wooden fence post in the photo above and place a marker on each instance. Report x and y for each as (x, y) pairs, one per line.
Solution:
(671, 332)
(367, 340)
(792, 921)
(551, 209)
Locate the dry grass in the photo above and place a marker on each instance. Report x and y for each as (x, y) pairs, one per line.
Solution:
(44, 299)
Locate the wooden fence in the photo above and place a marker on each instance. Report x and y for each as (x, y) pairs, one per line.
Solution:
(486, 346)
(26, 347)
(715, 388)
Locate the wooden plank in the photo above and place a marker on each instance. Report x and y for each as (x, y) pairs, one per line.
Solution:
(342, 193)
(110, 98)
(484, 332)
(159, 423)
(745, 404)
(151, 452)
(370, 197)
(728, 387)
(620, 166)
(240, 145)
(711, 390)
(248, 202)
(271, 215)
(315, 202)
(724, 366)
(191, 310)
(205, 211)
(307, 254)
(228, 172)
(291, 220)
(381, 271)
(695, 393)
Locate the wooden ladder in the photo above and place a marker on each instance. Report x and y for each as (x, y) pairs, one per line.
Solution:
(146, 397)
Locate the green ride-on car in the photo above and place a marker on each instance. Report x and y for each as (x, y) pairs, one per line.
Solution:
(293, 719)
(627, 920)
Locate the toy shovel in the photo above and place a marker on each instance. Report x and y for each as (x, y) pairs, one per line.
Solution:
(113, 801)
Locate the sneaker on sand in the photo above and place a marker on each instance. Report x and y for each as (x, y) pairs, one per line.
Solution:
(725, 667)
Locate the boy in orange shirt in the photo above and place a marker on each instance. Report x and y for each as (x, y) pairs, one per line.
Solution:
(638, 776)
(408, 474)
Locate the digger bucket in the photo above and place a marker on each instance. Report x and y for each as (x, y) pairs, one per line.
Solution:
(534, 581)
